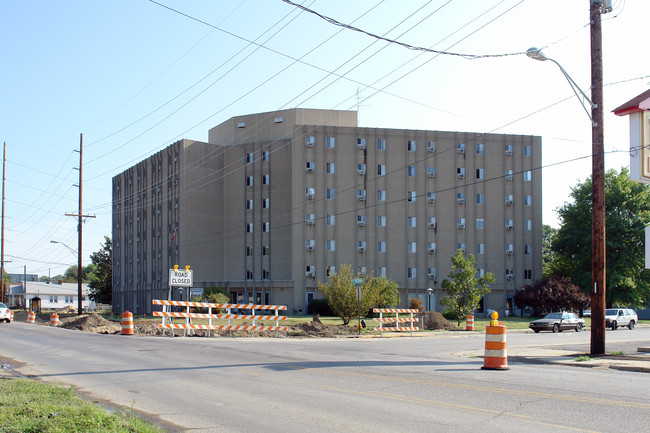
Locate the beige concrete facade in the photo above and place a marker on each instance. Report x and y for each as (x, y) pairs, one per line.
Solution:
(277, 200)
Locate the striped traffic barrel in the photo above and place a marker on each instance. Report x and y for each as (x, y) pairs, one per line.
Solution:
(496, 354)
(127, 323)
(31, 317)
(54, 319)
(469, 325)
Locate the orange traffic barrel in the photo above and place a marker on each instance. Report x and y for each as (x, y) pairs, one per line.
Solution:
(127, 323)
(469, 325)
(496, 354)
(12, 315)
(31, 317)
(54, 319)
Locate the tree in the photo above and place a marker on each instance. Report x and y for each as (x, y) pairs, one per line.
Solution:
(70, 274)
(548, 255)
(342, 298)
(100, 280)
(464, 290)
(627, 205)
(551, 294)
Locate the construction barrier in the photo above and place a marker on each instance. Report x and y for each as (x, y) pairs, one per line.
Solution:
(12, 316)
(127, 323)
(54, 319)
(469, 324)
(31, 317)
(496, 353)
(167, 316)
(410, 320)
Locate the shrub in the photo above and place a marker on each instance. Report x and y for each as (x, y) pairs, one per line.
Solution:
(451, 315)
(320, 306)
(416, 303)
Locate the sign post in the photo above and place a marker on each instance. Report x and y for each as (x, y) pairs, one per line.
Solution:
(358, 282)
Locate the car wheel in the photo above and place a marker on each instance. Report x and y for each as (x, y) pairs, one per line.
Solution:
(613, 326)
(631, 325)
(536, 331)
(556, 328)
(579, 327)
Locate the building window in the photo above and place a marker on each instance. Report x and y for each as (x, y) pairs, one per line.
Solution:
(431, 146)
(361, 168)
(266, 203)
(361, 194)
(381, 170)
(410, 145)
(480, 248)
(431, 171)
(528, 200)
(266, 179)
(508, 149)
(461, 246)
(330, 245)
(381, 271)
(361, 220)
(310, 140)
(265, 274)
(460, 197)
(528, 274)
(528, 224)
(54, 299)
(480, 223)
(528, 150)
(412, 196)
(410, 170)
(330, 142)
(508, 174)
(310, 244)
(480, 198)
(411, 221)
(331, 270)
(310, 271)
(331, 193)
(528, 249)
(249, 274)
(330, 220)
(361, 270)
(249, 181)
(460, 223)
(310, 218)
(249, 228)
(460, 172)
(381, 144)
(249, 204)
(330, 168)
(309, 192)
(509, 224)
(431, 247)
(249, 157)
(480, 148)
(509, 200)
(266, 226)
(381, 195)
(510, 249)
(411, 247)
(266, 250)
(528, 176)
(309, 166)
(431, 222)
(265, 155)
(249, 251)
(480, 173)
(381, 247)
(381, 221)
(361, 143)
(361, 246)
(412, 273)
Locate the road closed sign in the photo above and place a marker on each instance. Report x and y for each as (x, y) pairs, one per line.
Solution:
(178, 278)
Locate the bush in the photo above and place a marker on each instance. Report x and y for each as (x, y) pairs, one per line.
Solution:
(450, 314)
(320, 306)
(416, 303)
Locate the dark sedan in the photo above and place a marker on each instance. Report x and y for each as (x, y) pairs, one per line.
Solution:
(558, 322)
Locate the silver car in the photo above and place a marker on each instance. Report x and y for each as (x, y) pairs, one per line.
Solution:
(5, 313)
(558, 322)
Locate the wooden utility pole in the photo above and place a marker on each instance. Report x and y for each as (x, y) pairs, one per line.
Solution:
(598, 261)
(2, 248)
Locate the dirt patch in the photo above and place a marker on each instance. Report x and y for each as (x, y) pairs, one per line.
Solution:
(91, 322)
(21, 316)
(69, 309)
(318, 329)
(432, 320)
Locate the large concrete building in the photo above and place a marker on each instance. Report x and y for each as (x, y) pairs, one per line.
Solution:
(276, 202)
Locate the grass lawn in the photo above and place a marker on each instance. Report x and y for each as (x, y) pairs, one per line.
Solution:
(30, 406)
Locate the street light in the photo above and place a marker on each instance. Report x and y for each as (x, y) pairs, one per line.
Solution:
(429, 292)
(57, 242)
(79, 276)
(598, 251)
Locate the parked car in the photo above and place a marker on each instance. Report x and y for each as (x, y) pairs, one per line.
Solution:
(558, 322)
(586, 313)
(5, 313)
(615, 317)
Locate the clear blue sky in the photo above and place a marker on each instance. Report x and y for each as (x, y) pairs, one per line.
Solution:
(133, 77)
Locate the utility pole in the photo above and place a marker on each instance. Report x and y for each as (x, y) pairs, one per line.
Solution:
(598, 253)
(80, 216)
(2, 248)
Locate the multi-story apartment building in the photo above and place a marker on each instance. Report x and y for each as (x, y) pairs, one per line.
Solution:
(277, 202)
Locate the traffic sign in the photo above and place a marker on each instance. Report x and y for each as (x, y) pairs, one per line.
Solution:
(180, 278)
(357, 281)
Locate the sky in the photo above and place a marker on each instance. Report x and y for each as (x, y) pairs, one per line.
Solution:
(134, 76)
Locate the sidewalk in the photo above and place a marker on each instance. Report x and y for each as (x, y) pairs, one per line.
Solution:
(638, 362)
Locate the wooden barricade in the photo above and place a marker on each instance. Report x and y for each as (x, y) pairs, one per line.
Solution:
(167, 316)
(397, 320)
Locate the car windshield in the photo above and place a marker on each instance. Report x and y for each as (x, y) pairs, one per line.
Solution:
(2, 305)
(611, 312)
(553, 316)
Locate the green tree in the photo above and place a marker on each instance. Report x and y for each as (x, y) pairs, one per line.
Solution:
(627, 205)
(464, 290)
(341, 293)
(548, 234)
(100, 279)
(70, 274)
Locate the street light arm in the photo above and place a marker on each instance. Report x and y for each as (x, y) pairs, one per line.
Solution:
(57, 242)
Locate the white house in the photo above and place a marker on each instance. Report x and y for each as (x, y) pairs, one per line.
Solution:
(53, 296)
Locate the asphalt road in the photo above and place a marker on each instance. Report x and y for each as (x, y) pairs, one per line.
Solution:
(430, 384)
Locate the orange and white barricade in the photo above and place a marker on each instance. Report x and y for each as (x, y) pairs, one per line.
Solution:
(410, 321)
(496, 353)
(167, 316)
(127, 323)
(469, 323)
(54, 319)
(31, 317)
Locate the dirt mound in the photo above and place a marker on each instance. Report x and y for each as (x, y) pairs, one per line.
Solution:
(68, 309)
(432, 320)
(317, 329)
(92, 322)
